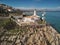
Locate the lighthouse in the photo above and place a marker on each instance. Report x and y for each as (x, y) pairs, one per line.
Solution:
(35, 12)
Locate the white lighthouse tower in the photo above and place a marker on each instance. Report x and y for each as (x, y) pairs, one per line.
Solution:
(35, 12)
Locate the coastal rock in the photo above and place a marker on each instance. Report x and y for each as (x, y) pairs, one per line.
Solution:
(33, 35)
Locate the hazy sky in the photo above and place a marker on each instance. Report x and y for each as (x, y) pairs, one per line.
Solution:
(32, 3)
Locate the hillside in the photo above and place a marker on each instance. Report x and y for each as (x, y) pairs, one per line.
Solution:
(29, 35)
(6, 10)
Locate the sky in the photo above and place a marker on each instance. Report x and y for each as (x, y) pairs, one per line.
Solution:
(27, 4)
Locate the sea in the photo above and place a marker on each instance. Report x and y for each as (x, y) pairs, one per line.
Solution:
(52, 18)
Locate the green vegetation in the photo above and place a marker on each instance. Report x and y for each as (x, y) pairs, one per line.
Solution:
(9, 25)
(41, 22)
(12, 27)
(3, 22)
(4, 12)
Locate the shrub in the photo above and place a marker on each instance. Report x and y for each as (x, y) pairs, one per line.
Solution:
(10, 25)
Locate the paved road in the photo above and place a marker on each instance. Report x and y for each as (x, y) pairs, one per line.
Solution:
(4, 17)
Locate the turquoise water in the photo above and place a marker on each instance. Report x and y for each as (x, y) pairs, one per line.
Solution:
(53, 18)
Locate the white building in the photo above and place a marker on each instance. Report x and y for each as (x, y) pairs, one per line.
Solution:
(32, 18)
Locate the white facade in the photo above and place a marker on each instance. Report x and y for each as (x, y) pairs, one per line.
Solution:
(32, 18)
(28, 20)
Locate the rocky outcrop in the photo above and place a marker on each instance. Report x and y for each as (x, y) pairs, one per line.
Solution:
(32, 35)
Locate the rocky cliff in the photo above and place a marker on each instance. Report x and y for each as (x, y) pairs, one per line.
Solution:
(32, 35)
